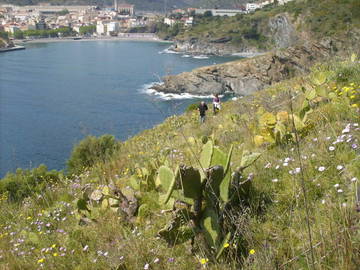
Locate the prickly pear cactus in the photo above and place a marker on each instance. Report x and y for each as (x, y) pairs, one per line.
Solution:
(190, 182)
(211, 227)
(206, 154)
(215, 176)
(248, 158)
(165, 178)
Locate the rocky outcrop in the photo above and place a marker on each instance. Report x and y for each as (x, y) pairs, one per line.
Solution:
(5, 43)
(221, 46)
(282, 32)
(245, 76)
(279, 31)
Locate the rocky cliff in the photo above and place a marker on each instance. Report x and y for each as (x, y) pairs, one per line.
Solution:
(279, 32)
(245, 76)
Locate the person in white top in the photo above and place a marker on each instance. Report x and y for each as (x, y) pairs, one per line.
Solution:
(216, 103)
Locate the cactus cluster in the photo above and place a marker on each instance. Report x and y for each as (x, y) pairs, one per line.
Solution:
(110, 197)
(199, 196)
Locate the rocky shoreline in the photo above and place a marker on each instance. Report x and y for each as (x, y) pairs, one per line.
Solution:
(246, 76)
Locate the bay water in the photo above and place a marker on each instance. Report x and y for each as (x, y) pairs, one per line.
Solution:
(52, 95)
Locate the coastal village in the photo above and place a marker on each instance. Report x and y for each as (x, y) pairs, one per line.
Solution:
(25, 22)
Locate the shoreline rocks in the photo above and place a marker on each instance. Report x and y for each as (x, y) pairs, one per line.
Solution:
(246, 76)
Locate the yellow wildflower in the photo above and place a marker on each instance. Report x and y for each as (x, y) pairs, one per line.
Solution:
(204, 261)
(226, 245)
(55, 254)
(252, 251)
(53, 246)
(41, 260)
(352, 97)
(28, 218)
(355, 105)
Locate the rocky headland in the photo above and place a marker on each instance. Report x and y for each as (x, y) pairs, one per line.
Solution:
(289, 49)
(245, 76)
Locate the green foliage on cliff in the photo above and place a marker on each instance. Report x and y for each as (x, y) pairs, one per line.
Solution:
(321, 18)
(306, 180)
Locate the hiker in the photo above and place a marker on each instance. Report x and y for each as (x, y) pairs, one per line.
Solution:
(216, 103)
(202, 109)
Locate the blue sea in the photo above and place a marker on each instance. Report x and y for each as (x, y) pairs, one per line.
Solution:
(52, 95)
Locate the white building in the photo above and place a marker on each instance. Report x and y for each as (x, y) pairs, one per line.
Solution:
(283, 2)
(250, 7)
(219, 12)
(113, 28)
(189, 21)
(101, 28)
(169, 21)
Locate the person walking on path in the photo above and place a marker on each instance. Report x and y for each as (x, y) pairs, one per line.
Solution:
(202, 110)
(216, 103)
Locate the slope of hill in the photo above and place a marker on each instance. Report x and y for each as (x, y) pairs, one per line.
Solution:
(273, 27)
(285, 197)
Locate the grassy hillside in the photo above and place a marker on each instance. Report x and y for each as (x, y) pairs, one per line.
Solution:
(317, 18)
(291, 175)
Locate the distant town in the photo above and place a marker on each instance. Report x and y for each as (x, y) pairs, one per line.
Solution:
(45, 20)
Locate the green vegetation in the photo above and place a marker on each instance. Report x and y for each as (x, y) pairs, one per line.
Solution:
(242, 191)
(63, 32)
(87, 30)
(4, 39)
(90, 151)
(63, 12)
(317, 17)
(26, 183)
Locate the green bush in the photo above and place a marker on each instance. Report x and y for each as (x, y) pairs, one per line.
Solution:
(24, 183)
(90, 151)
(192, 107)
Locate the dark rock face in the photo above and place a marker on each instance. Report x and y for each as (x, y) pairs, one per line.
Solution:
(282, 31)
(246, 76)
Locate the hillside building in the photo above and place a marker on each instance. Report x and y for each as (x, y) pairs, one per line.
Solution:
(126, 9)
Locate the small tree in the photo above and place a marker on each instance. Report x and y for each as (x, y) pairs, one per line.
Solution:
(208, 13)
(90, 151)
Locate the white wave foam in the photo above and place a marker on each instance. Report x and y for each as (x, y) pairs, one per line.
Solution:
(201, 57)
(247, 54)
(186, 56)
(147, 89)
(168, 51)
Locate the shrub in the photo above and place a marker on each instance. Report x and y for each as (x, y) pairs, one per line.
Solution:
(90, 151)
(192, 107)
(23, 183)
